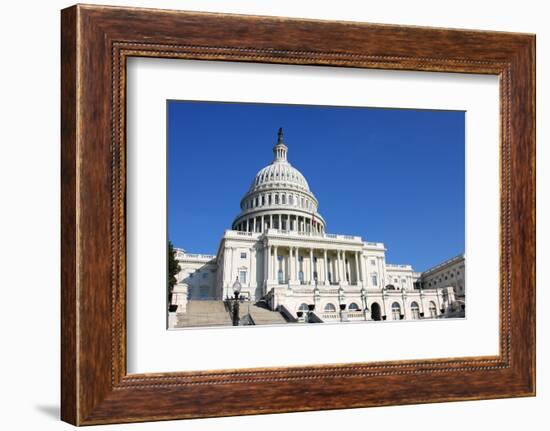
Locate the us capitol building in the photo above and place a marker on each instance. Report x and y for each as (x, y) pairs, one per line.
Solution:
(291, 270)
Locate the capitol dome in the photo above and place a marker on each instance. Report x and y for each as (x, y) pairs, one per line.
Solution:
(279, 198)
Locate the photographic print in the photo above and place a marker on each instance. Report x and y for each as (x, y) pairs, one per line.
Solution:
(299, 214)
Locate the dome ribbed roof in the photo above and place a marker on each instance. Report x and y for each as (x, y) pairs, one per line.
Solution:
(279, 173)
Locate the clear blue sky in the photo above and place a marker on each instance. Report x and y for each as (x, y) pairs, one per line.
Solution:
(389, 175)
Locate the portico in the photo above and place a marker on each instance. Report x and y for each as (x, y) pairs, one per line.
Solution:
(313, 260)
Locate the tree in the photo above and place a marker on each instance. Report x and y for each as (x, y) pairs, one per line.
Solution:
(173, 269)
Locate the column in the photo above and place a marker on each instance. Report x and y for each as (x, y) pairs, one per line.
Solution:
(337, 267)
(311, 279)
(231, 267)
(271, 221)
(364, 271)
(356, 269)
(325, 262)
(297, 261)
(291, 268)
(248, 225)
(343, 267)
(266, 263)
(361, 261)
(226, 268)
(262, 227)
(253, 279)
(275, 265)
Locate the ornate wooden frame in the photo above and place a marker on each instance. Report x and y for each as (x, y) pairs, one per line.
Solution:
(95, 43)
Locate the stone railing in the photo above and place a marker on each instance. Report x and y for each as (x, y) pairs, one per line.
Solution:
(374, 244)
(330, 315)
(393, 265)
(331, 236)
(205, 257)
(238, 233)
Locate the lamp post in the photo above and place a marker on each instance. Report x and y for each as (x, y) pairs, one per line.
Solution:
(236, 291)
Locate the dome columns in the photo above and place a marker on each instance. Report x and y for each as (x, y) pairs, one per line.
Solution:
(292, 222)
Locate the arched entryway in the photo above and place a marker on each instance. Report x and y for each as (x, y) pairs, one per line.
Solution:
(376, 311)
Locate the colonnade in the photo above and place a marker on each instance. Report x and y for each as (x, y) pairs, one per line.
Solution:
(305, 265)
(289, 222)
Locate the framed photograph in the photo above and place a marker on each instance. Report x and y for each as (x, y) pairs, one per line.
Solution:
(324, 214)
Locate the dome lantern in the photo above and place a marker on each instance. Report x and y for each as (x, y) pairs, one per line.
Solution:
(280, 149)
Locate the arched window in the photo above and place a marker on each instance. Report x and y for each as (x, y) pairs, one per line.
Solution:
(269, 199)
(433, 310)
(263, 200)
(290, 200)
(301, 276)
(396, 311)
(353, 307)
(276, 199)
(283, 199)
(330, 308)
(390, 287)
(303, 307)
(415, 310)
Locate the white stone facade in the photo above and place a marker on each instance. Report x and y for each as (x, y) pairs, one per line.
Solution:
(279, 250)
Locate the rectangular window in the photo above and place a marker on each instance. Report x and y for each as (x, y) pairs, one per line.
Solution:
(242, 276)
(374, 280)
(243, 255)
(373, 262)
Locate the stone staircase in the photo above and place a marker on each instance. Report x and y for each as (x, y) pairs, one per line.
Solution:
(204, 313)
(214, 313)
(263, 316)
